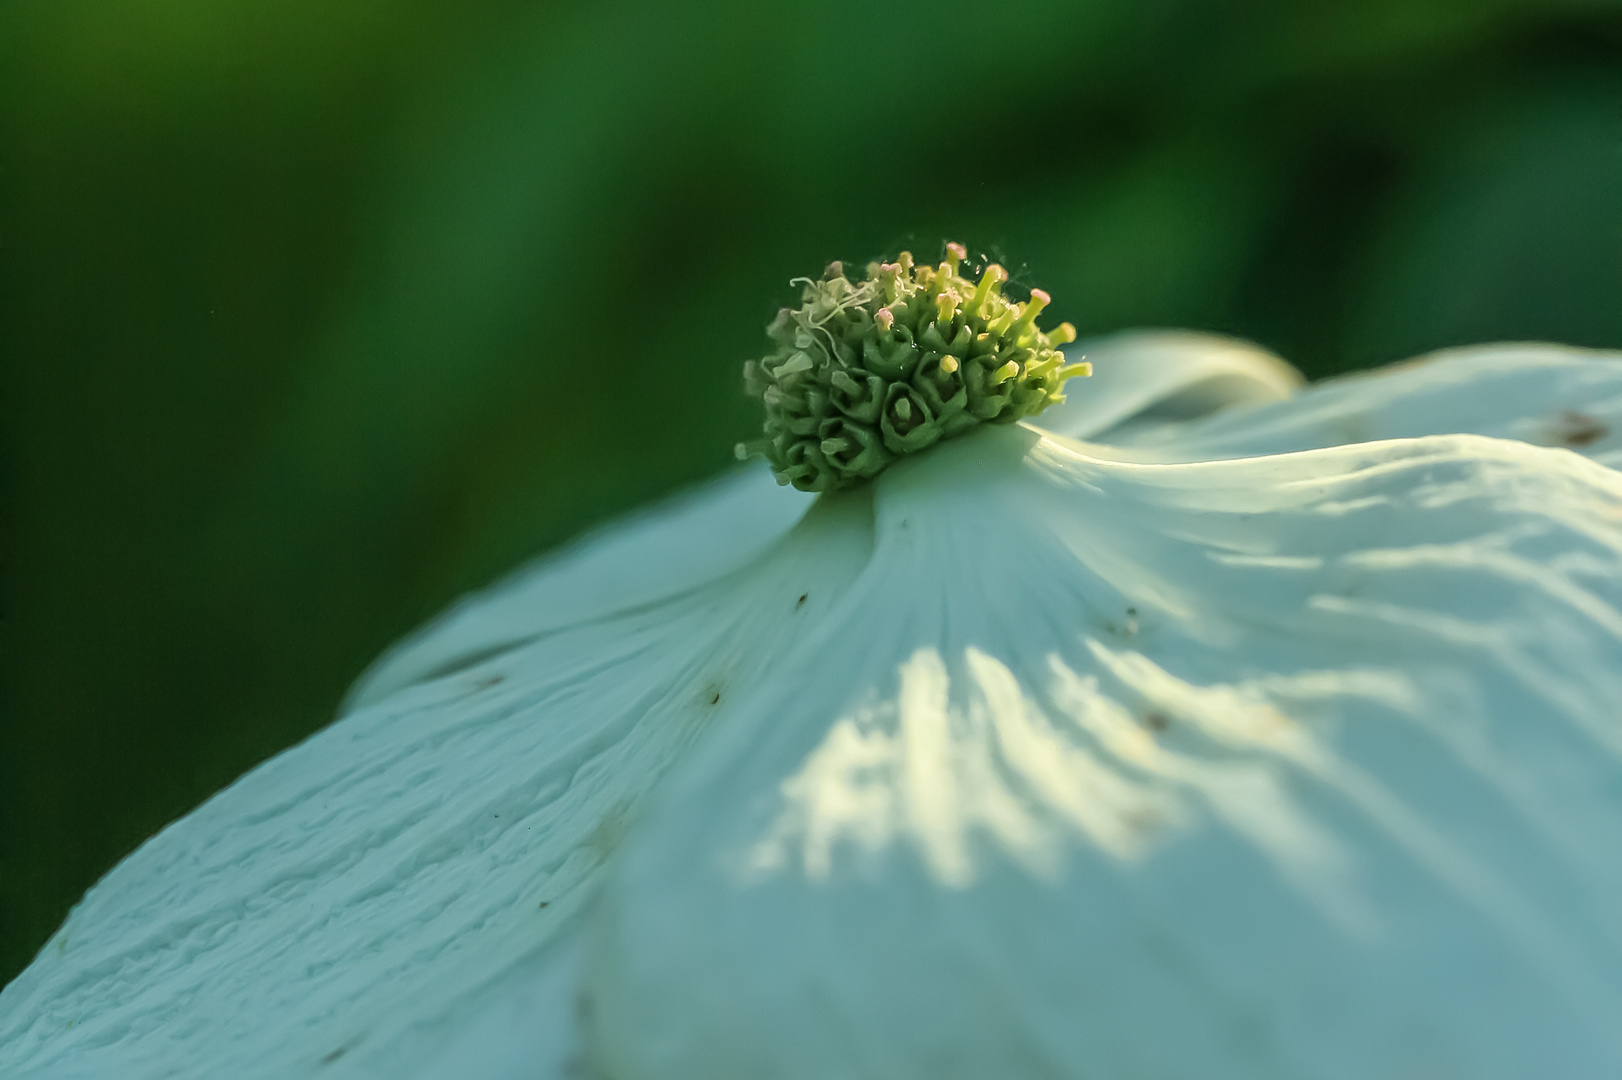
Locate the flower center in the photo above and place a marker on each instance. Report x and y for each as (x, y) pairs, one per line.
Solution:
(867, 371)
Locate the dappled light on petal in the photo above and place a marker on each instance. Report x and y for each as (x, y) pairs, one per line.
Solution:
(1277, 745)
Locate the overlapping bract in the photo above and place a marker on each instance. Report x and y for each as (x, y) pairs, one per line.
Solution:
(866, 372)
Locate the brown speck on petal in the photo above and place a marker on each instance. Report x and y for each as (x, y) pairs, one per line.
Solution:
(1572, 428)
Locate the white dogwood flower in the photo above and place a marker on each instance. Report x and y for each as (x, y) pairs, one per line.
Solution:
(1205, 727)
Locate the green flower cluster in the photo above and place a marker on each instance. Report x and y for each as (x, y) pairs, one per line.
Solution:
(865, 372)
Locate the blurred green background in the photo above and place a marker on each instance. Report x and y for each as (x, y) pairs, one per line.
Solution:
(317, 314)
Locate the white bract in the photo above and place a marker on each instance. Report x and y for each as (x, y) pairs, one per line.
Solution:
(1268, 733)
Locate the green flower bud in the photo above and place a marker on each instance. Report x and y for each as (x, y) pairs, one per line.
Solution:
(863, 372)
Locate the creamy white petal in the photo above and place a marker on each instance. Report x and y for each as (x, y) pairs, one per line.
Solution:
(1546, 395)
(1306, 766)
(667, 549)
(367, 902)
(1156, 376)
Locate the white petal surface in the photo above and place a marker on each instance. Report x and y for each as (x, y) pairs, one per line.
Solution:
(1304, 767)
(684, 542)
(1156, 376)
(1546, 395)
(396, 888)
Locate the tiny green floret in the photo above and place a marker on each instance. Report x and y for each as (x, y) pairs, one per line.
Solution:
(865, 372)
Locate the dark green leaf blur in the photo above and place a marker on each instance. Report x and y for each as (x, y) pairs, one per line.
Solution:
(316, 314)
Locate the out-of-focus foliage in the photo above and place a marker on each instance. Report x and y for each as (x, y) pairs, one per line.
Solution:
(307, 307)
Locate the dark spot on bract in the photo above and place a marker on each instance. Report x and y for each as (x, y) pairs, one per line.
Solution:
(715, 696)
(801, 602)
(335, 1055)
(1132, 611)
(485, 684)
(1156, 721)
(544, 903)
(1573, 428)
